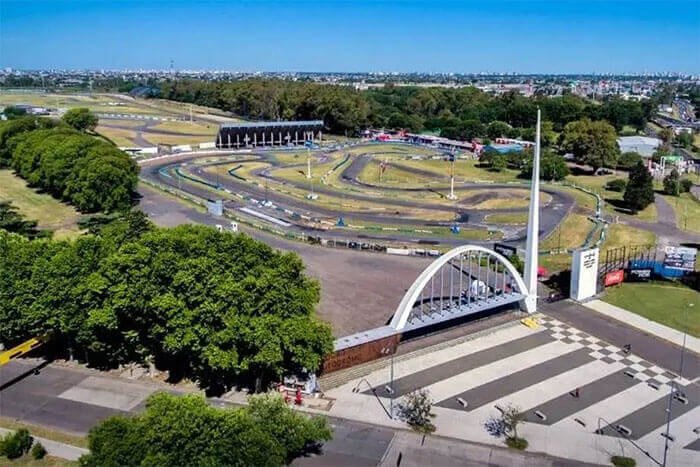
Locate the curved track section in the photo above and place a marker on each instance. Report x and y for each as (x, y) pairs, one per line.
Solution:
(240, 191)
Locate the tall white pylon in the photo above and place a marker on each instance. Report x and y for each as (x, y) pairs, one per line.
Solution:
(308, 163)
(533, 226)
(452, 178)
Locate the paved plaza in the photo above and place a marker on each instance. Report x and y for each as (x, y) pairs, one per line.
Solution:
(539, 371)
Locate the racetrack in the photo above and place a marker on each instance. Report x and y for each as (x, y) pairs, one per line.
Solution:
(392, 211)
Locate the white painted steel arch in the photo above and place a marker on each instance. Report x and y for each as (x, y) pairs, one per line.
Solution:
(398, 322)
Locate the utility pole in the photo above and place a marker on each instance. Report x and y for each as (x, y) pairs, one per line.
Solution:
(191, 113)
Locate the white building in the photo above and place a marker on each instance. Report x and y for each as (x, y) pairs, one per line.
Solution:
(642, 145)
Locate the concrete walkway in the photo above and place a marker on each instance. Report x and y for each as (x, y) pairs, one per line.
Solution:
(652, 327)
(56, 449)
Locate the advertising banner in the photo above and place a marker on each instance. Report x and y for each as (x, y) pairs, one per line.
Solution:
(678, 257)
(614, 277)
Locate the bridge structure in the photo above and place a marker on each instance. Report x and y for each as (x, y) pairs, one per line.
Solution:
(463, 282)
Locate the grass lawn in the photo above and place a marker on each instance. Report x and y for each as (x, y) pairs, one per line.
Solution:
(28, 461)
(120, 136)
(43, 432)
(571, 233)
(619, 235)
(465, 170)
(49, 212)
(392, 176)
(660, 302)
(687, 210)
(158, 138)
(195, 128)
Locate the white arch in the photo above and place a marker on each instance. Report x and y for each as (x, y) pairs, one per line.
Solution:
(398, 322)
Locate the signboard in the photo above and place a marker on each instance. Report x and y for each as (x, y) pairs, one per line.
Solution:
(215, 207)
(678, 257)
(584, 274)
(614, 277)
(640, 274)
(505, 250)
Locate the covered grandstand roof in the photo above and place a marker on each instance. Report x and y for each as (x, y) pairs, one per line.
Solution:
(281, 124)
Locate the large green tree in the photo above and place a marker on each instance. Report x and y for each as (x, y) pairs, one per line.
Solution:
(592, 142)
(639, 192)
(81, 119)
(217, 308)
(186, 430)
(552, 167)
(75, 167)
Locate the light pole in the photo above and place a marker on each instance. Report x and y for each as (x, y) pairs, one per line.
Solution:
(674, 385)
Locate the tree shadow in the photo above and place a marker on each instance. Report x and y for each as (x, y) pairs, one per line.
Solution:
(619, 205)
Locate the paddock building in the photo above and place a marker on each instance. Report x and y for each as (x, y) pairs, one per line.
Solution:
(254, 134)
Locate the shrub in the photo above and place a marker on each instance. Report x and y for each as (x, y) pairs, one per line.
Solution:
(517, 443)
(15, 445)
(38, 451)
(686, 185)
(672, 184)
(617, 184)
(622, 461)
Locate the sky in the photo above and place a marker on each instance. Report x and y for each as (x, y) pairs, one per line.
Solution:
(586, 36)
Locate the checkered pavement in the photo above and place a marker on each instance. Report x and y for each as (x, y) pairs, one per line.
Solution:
(641, 369)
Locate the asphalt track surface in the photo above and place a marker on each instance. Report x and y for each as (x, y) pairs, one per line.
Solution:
(550, 216)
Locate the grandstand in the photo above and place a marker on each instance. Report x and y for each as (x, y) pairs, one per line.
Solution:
(254, 134)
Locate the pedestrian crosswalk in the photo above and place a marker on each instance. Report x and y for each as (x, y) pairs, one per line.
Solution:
(558, 377)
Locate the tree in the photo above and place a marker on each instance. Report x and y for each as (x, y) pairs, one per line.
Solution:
(221, 309)
(506, 425)
(628, 159)
(499, 162)
(186, 430)
(617, 184)
(672, 185)
(685, 139)
(497, 129)
(592, 143)
(640, 188)
(416, 410)
(81, 119)
(552, 167)
(11, 112)
(16, 444)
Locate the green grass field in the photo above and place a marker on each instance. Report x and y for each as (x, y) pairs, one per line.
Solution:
(195, 128)
(623, 235)
(687, 210)
(49, 212)
(121, 137)
(665, 304)
(28, 461)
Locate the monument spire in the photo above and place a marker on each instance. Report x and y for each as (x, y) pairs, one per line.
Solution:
(533, 226)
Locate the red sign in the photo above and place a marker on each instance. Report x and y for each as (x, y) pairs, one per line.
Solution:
(614, 277)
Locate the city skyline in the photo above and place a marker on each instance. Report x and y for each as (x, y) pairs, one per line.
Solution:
(415, 36)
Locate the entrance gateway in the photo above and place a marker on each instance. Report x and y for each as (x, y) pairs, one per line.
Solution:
(465, 281)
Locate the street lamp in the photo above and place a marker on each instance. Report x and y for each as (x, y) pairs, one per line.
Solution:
(674, 385)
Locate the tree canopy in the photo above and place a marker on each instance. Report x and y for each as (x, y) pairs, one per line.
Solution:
(214, 307)
(81, 119)
(592, 142)
(185, 430)
(91, 174)
(639, 192)
(456, 112)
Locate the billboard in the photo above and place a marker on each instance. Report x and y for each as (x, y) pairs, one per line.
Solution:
(614, 277)
(505, 250)
(584, 274)
(640, 274)
(678, 257)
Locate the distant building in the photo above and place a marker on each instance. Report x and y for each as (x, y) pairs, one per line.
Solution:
(503, 148)
(254, 134)
(642, 145)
